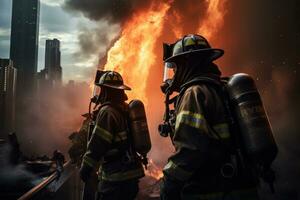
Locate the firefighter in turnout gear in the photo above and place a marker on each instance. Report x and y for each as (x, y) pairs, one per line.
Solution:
(204, 165)
(111, 145)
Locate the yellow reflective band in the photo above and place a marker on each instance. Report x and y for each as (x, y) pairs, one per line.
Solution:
(194, 120)
(189, 41)
(177, 171)
(104, 134)
(122, 176)
(89, 161)
(121, 136)
(222, 130)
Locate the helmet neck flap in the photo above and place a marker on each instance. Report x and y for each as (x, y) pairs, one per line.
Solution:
(112, 95)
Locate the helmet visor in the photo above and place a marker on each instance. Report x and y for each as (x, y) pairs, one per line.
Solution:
(169, 71)
(96, 91)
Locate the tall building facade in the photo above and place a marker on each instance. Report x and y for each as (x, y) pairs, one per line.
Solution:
(8, 81)
(52, 61)
(24, 44)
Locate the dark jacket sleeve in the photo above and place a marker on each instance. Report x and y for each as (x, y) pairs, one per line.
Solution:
(102, 137)
(191, 138)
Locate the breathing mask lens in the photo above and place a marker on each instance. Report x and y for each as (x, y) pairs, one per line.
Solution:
(169, 71)
(96, 92)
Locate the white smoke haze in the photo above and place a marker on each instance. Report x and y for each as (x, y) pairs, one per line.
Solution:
(53, 117)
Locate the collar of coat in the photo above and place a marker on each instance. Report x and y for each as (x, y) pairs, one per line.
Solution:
(208, 79)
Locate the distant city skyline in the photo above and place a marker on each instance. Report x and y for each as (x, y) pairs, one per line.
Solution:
(24, 44)
(8, 82)
(55, 22)
(53, 61)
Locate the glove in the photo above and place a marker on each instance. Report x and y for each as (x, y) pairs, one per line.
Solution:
(170, 188)
(85, 172)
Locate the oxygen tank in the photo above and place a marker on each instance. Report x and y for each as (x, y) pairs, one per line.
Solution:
(139, 127)
(249, 113)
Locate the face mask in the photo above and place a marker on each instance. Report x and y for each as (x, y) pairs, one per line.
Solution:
(95, 94)
(169, 71)
(168, 77)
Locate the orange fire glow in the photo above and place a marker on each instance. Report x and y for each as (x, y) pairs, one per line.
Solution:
(214, 18)
(153, 170)
(177, 30)
(133, 54)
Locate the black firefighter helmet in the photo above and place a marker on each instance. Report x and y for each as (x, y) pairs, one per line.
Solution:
(191, 44)
(113, 80)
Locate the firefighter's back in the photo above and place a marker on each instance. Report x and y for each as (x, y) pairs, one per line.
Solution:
(222, 176)
(120, 162)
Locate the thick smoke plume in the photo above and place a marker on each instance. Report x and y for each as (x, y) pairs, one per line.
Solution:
(93, 40)
(115, 11)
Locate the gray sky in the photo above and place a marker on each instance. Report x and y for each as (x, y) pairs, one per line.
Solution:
(55, 22)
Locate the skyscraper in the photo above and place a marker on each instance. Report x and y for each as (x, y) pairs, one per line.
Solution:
(8, 80)
(52, 61)
(24, 44)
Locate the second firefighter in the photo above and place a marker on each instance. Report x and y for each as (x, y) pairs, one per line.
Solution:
(111, 144)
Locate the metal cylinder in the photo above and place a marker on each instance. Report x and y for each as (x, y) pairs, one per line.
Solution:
(139, 127)
(249, 113)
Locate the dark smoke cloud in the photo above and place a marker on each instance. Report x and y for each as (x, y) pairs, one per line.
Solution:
(88, 41)
(116, 11)
(95, 40)
(107, 13)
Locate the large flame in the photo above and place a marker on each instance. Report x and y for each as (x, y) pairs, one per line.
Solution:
(133, 54)
(214, 18)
